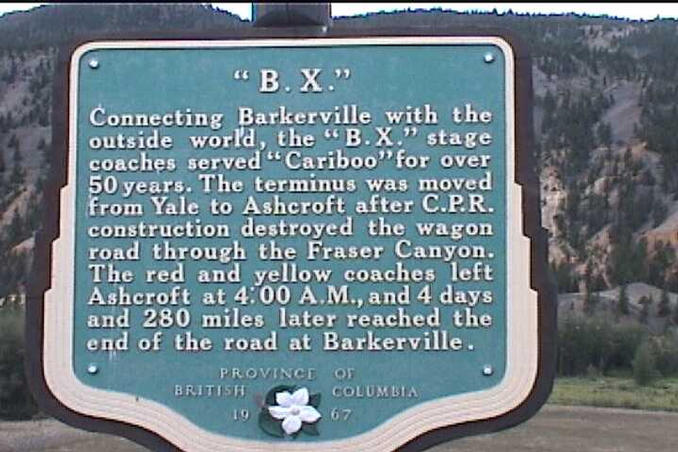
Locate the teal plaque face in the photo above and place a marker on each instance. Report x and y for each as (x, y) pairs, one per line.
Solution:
(313, 244)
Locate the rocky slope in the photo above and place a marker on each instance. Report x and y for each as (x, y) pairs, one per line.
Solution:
(604, 97)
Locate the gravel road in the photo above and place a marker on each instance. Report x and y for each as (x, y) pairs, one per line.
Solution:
(554, 429)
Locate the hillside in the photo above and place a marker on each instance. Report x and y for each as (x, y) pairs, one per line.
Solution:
(605, 109)
(647, 305)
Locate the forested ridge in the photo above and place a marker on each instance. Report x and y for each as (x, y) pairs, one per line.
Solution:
(605, 101)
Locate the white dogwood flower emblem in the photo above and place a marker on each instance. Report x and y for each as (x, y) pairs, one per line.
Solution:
(293, 409)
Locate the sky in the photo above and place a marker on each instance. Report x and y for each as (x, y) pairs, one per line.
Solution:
(646, 11)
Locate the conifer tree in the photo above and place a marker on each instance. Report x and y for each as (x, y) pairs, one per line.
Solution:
(645, 302)
(623, 302)
(664, 307)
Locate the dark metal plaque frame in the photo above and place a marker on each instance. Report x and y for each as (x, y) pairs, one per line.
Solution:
(525, 177)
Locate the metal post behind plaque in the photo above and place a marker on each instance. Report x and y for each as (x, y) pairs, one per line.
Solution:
(291, 14)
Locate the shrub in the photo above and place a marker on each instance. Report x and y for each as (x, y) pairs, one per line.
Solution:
(596, 341)
(16, 402)
(666, 353)
(644, 365)
(625, 342)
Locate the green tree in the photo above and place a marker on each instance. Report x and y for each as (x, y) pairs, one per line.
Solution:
(645, 365)
(18, 175)
(590, 300)
(623, 301)
(604, 133)
(662, 259)
(664, 308)
(17, 157)
(15, 230)
(16, 402)
(13, 142)
(645, 302)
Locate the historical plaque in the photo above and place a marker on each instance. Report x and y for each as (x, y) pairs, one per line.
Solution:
(295, 244)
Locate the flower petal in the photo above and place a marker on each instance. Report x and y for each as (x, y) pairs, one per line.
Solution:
(309, 414)
(279, 412)
(284, 398)
(291, 424)
(300, 397)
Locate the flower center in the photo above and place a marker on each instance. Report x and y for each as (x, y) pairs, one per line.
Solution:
(295, 411)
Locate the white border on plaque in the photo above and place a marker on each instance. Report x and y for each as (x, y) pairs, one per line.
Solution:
(521, 313)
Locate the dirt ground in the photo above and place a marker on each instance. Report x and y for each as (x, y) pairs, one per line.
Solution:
(554, 429)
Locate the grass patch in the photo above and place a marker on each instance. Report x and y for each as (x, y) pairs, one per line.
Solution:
(617, 392)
